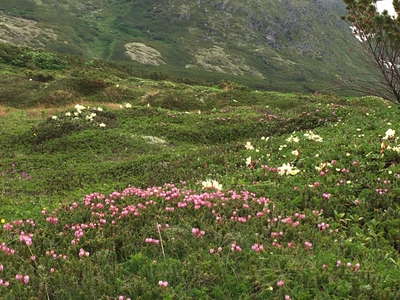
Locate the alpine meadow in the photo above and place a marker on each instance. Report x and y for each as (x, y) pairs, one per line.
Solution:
(199, 149)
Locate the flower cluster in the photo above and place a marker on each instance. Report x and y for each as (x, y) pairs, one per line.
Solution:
(83, 253)
(24, 279)
(197, 232)
(235, 247)
(288, 169)
(257, 247)
(313, 137)
(211, 184)
(82, 113)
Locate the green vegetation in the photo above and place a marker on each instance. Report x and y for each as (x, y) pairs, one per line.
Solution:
(323, 222)
(300, 46)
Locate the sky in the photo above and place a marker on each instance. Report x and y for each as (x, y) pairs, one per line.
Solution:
(386, 4)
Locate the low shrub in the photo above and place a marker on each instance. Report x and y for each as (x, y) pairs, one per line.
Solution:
(173, 242)
(71, 121)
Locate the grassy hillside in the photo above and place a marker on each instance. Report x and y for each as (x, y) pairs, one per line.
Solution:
(291, 45)
(107, 202)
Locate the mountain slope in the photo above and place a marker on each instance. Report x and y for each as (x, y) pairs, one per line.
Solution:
(303, 43)
(308, 206)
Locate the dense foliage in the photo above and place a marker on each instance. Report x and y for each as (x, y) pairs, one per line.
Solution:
(117, 187)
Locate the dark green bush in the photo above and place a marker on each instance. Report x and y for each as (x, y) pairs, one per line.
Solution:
(64, 125)
(39, 76)
(88, 86)
(25, 57)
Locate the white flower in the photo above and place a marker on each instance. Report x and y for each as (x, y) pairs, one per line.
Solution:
(211, 184)
(282, 146)
(265, 138)
(292, 139)
(79, 108)
(394, 149)
(128, 105)
(296, 152)
(389, 134)
(54, 117)
(102, 125)
(68, 114)
(323, 166)
(99, 109)
(288, 169)
(249, 146)
(248, 161)
(313, 137)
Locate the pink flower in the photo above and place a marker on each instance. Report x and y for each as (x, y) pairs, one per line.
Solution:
(82, 253)
(197, 232)
(323, 226)
(163, 283)
(280, 283)
(235, 247)
(23, 278)
(291, 244)
(4, 283)
(276, 234)
(308, 245)
(287, 297)
(25, 238)
(356, 267)
(151, 241)
(8, 226)
(257, 247)
(1, 268)
(326, 196)
(52, 220)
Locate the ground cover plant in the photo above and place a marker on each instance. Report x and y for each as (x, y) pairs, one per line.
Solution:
(193, 192)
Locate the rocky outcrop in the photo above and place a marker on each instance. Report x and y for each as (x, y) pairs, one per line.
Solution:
(217, 60)
(24, 32)
(144, 54)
